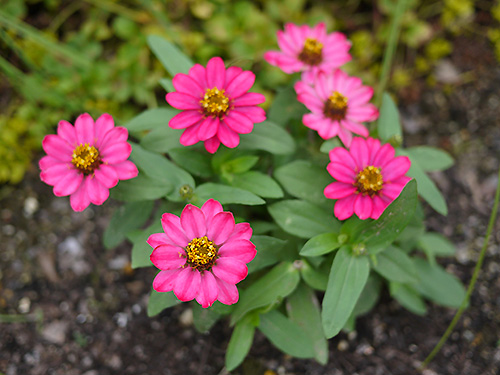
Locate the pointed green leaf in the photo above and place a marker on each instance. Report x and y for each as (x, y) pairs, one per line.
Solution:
(408, 297)
(394, 265)
(270, 288)
(257, 183)
(286, 107)
(436, 244)
(240, 342)
(159, 301)
(226, 194)
(193, 161)
(388, 124)
(347, 279)
(316, 278)
(156, 118)
(321, 244)
(268, 252)
(167, 84)
(430, 159)
(239, 165)
(369, 296)
(203, 318)
(141, 188)
(162, 139)
(269, 137)
(169, 55)
(140, 248)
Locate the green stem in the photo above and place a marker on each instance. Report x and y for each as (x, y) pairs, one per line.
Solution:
(473, 280)
(390, 49)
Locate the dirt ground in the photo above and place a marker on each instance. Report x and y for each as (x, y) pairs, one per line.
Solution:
(69, 307)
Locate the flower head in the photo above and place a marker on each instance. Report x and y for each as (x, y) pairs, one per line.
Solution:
(202, 254)
(338, 105)
(217, 105)
(309, 49)
(369, 177)
(86, 160)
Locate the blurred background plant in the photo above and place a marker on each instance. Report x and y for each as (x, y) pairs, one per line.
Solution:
(60, 58)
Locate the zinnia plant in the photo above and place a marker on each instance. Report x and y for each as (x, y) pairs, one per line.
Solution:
(333, 223)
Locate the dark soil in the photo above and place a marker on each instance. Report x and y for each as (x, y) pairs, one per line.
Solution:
(70, 307)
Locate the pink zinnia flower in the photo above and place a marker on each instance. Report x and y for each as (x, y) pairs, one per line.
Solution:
(217, 107)
(202, 254)
(339, 104)
(86, 160)
(368, 176)
(305, 48)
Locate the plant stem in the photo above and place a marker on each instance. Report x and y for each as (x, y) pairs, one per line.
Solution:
(472, 283)
(390, 49)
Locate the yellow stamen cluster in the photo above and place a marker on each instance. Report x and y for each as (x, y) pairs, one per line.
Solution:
(311, 53)
(336, 106)
(86, 158)
(369, 180)
(214, 102)
(201, 253)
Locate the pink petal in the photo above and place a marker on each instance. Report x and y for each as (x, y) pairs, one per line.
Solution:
(230, 270)
(373, 147)
(212, 144)
(312, 102)
(344, 208)
(216, 73)
(314, 121)
(57, 172)
(57, 147)
(227, 136)
(103, 125)
(286, 44)
(182, 101)
(319, 31)
(328, 129)
(250, 98)
(197, 72)
(359, 152)
(106, 175)
(238, 122)
(193, 222)
(341, 172)
(185, 119)
(168, 257)
(345, 136)
(242, 250)
(49, 161)
(360, 96)
(396, 168)
(391, 191)
(240, 84)
(384, 155)
(187, 85)
(341, 155)
(221, 227)
(164, 280)
(255, 114)
(363, 206)
(355, 127)
(68, 184)
(118, 134)
(157, 239)
(210, 208)
(208, 290)
(208, 128)
(228, 293)
(84, 127)
(125, 170)
(80, 200)
(359, 114)
(187, 284)
(272, 57)
(190, 135)
(338, 190)
(242, 231)
(96, 191)
(172, 227)
(232, 72)
(379, 206)
(67, 132)
(116, 153)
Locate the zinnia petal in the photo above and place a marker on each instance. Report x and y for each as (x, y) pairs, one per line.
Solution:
(193, 222)
(221, 227)
(187, 284)
(164, 280)
(168, 257)
(209, 290)
(230, 270)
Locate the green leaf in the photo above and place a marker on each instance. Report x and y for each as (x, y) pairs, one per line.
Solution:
(156, 118)
(316, 278)
(194, 162)
(159, 301)
(203, 318)
(285, 107)
(394, 265)
(302, 219)
(408, 298)
(347, 279)
(320, 244)
(141, 249)
(126, 218)
(169, 55)
(269, 137)
(268, 252)
(305, 180)
(240, 342)
(369, 296)
(380, 233)
(438, 285)
(303, 309)
(330, 144)
(141, 188)
(226, 194)
(257, 183)
(286, 335)
(162, 139)
(166, 83)
(430, 159)
(239, 165)
(388, 124)
(270, 288)
(426, 188)
(436, 244)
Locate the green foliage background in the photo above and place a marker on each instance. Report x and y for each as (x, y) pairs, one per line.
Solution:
(61, 58)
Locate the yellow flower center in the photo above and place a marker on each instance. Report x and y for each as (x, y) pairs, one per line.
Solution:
(336, 106)
(369, 180)
(201, 253)
(86, 159)
(214, 102)
(311, 53)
